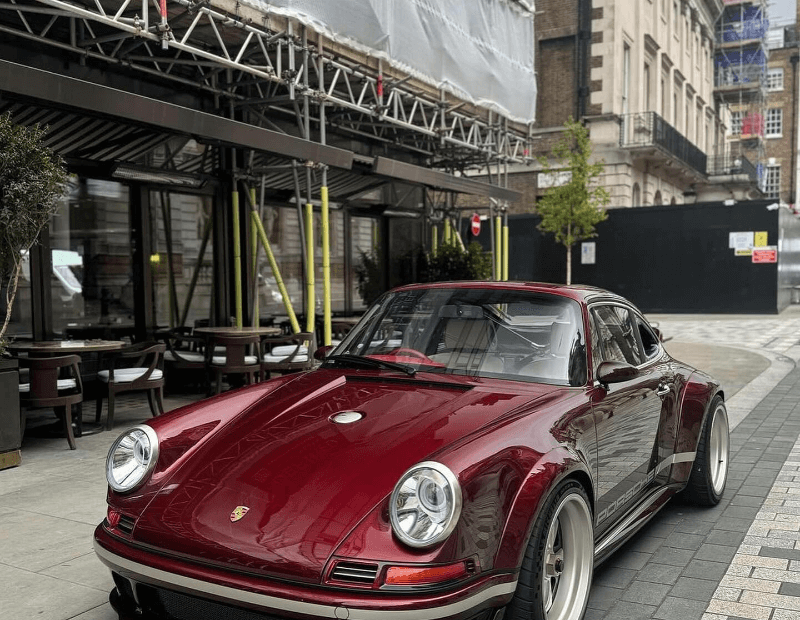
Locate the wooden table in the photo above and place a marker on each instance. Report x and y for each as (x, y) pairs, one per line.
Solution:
(238, 331)
(56, 347)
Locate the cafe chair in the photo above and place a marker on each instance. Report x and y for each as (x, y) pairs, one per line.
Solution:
(285, 354)
(53, 382)
(135, 368)
(228, 355)
(184, 357)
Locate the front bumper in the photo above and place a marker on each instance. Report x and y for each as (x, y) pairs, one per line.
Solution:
(149, 576)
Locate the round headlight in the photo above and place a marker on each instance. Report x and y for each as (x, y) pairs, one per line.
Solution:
(425, 505)
(131, 458)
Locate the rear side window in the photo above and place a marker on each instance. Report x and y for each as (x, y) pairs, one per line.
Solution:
(650, 342)
(615, 337)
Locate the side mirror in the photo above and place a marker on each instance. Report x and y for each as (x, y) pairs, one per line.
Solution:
(321, 353)
(615, 372)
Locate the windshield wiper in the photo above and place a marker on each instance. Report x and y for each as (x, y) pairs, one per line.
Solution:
(347, 358)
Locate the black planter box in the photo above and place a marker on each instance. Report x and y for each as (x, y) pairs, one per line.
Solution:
(10, 430)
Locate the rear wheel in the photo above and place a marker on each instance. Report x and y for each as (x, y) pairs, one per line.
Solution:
(710, 470)
(557, 569)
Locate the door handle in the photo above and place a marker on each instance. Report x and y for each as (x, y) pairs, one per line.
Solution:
(663, 389)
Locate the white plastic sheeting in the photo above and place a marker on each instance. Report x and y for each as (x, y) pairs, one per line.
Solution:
(478, 50)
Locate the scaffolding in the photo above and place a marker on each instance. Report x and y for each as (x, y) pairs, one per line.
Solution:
(740, 77)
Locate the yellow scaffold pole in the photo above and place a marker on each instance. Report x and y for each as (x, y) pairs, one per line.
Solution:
(237, 259)
(498, 250)
(505, 248)
(326, 265)
(434, 240)
(254, 263)
(287, 302)
(447, 231)
(310, 296)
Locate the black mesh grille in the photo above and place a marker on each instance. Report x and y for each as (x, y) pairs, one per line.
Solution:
(177, 606)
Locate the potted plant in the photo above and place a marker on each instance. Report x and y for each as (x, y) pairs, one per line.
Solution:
(32, 181)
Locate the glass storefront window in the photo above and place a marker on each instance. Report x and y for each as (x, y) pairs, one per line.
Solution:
(91, 281)
(181, 227)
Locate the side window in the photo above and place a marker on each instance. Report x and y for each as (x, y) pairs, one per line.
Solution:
(616, 336)
(648, 338)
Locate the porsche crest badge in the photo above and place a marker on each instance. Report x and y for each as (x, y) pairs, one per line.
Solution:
(238, 513)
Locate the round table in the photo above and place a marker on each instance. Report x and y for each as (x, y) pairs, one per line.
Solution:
(55, 347)
(239, 331)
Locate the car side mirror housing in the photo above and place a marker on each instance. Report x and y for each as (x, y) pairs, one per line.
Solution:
(615, 372)
(322, 352)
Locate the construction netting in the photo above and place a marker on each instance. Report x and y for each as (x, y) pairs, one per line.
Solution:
(481, 50)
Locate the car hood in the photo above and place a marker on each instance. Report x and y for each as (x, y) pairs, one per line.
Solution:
(303, 481)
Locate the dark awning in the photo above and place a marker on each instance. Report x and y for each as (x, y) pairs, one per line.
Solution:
(129, 108)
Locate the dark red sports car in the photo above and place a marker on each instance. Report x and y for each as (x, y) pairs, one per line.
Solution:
(469, 450)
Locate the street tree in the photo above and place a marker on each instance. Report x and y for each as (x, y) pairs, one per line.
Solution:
(32, 182)
(571, 211)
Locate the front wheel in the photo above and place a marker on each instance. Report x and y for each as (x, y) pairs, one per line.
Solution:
(557, 569)
(710, 470)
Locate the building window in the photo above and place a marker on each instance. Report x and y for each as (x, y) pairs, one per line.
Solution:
(626, 77)
(675, 17)
(775, 79)
(736, 122)
(772, 181)
(637, 195)
(646, 87)
(774, 127)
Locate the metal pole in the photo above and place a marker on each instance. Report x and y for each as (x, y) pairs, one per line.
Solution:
(254, 251)
(505, 247)
(196, 273)
(434, 239)
(237, 257)
(326, 249)
(498, 229)
(275, 270)
(310, 296)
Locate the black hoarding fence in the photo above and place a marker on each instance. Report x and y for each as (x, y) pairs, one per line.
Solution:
(676, 258)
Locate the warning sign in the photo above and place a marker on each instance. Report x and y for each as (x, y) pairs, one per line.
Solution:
(760, 239)
(765, 254)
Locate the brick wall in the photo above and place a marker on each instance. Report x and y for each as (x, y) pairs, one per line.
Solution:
(781, 149)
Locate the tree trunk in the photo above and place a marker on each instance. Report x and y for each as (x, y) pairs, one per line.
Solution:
(569, 265)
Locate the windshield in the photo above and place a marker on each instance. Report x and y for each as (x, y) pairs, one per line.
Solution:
(497, 333)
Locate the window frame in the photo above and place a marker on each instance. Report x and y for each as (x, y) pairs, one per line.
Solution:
(776, 123)
(774, 85)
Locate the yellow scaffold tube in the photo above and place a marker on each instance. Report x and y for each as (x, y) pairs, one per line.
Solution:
(287, 303)
(237, 259)
(310, 296)
(434, 240)
(326, 267)
(505, 251)
(447, 232)
(498, 225)
(254, 259)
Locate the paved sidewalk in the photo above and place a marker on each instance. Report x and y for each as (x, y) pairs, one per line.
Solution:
(740, 559)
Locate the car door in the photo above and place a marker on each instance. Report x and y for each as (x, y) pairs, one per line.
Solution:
(627, 414)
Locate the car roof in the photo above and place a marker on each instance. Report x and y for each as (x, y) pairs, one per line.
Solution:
(579, 292)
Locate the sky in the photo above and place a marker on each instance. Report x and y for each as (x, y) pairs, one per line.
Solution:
(781, 12)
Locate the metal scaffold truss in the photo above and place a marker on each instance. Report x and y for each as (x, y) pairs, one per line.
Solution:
(271, 73)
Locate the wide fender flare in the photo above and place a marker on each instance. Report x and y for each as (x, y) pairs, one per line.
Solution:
(554, 466)
(695, 406)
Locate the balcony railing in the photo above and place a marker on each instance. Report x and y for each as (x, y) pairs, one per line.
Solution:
(644, 129)
(729, 165)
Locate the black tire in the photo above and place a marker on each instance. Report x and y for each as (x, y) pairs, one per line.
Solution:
(556, 571)
(710, 470)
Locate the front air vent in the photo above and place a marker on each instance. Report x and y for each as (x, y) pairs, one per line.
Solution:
(126, 524)
(355, 572)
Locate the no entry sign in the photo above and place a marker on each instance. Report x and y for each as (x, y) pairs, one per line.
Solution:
(476, 224)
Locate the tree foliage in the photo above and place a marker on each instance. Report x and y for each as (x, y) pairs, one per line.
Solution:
(449, 263)
(571, 211)
(32, 181)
